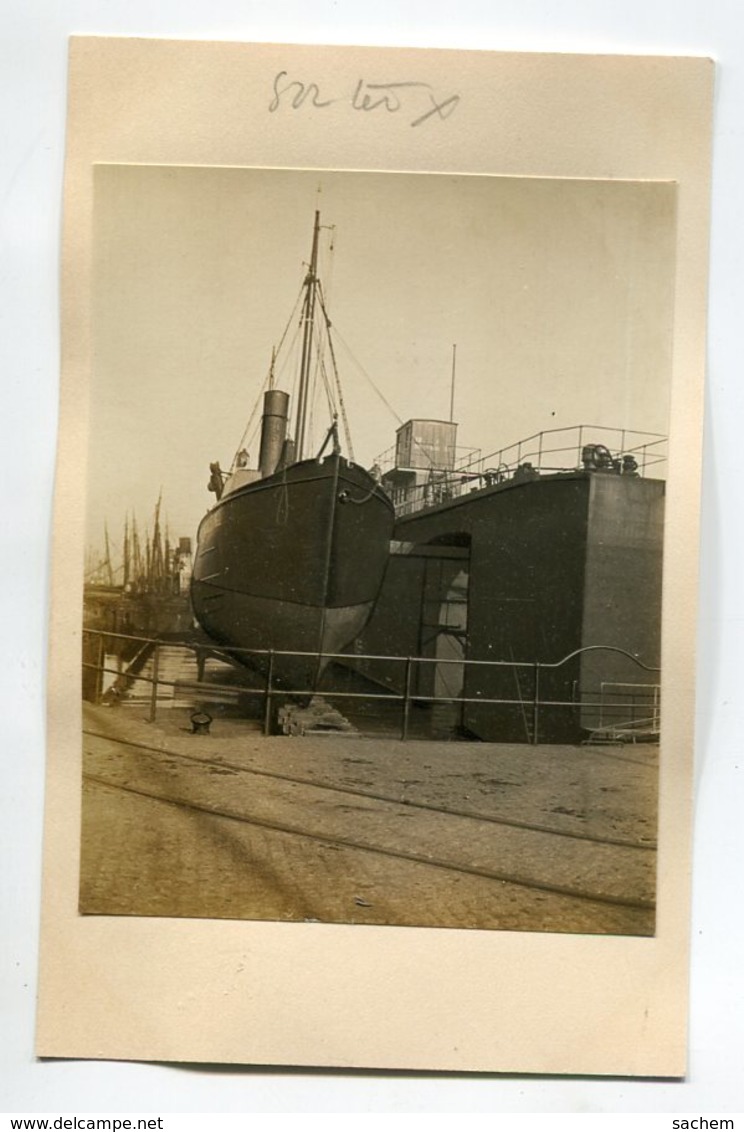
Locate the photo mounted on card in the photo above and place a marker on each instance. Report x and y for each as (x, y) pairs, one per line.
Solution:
(372, 632)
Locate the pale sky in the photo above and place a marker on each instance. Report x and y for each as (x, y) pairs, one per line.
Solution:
(558, 293)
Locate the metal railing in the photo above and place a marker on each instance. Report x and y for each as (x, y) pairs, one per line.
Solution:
(549, 452)
(462, 457)
(561, 449)
(268, 664)
(645, 705)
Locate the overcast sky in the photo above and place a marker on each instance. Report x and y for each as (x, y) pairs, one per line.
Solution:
(558, 294)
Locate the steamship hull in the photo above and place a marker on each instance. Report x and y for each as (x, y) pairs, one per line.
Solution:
(293, 563)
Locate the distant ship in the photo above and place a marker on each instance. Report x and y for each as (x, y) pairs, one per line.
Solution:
(291, 557)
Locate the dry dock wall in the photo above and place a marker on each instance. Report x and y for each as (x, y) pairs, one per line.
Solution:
(622, 595)
(554, 564)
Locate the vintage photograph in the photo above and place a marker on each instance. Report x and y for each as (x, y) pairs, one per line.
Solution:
(374, 539)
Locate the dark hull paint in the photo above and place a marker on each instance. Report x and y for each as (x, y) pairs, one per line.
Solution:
(293, 562)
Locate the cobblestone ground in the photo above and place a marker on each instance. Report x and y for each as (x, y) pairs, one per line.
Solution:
(257, 832)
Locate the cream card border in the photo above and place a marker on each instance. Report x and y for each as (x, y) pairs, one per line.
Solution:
(225, 991)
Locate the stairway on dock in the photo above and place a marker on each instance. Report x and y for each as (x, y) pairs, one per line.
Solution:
(179, 685)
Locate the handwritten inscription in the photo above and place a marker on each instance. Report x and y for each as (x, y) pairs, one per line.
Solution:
(412, 98)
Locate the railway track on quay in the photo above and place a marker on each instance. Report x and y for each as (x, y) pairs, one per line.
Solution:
(313, 815)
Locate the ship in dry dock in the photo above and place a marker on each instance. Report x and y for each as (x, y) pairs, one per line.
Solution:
(291, 556)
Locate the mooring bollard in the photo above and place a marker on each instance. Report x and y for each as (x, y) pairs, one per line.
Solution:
(201, 721)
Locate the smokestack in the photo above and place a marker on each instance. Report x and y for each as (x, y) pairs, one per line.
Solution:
(273, 429)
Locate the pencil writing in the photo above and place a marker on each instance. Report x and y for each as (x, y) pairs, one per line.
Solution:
(417, 98)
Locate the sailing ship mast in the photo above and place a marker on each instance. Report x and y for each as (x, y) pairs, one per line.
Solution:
(127, 553)
(109, 567)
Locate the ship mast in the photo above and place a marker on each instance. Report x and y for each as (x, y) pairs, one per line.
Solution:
(127, 566)
(308, 317)
(109, 567)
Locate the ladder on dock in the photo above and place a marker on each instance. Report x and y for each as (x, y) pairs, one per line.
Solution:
(178, 681)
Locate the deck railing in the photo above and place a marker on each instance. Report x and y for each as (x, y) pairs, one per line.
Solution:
(462, 457)
(561, 449)
(606, 703)
(544, 453)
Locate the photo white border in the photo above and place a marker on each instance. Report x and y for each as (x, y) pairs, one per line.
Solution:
(34, 52)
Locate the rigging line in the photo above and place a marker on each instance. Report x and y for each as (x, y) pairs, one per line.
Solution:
(101, 564)
(380, 394)
(322, 342)
(328, 390)
(349, 498)
(525, 722)
(248, 440)
(427, 456)
(364, 374)
(337, 378)
(291, 350)
(294, 397)
(246, 437)
(329, 259)
(282, 503)
(290, 319)
(315, 393)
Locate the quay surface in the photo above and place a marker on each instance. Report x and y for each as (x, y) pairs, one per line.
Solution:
(342, 829)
